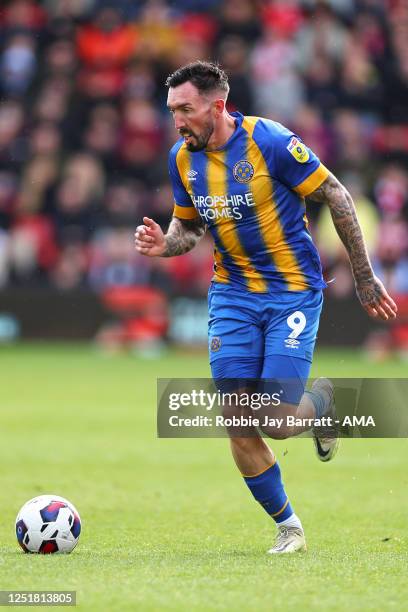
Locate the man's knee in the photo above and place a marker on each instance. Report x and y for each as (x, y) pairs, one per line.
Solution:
(247, 445)
(277, 433)
(274, 421)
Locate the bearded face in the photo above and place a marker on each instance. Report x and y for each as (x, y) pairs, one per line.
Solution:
(197, 141)
(193, 115)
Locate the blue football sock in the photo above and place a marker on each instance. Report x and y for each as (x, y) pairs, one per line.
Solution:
(267, 488)
(319, 402)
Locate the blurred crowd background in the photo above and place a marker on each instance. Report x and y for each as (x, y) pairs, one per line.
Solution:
(84, 129)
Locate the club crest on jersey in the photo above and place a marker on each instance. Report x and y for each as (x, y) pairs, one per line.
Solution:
(215, 344)
(298, 150)
(243, 171)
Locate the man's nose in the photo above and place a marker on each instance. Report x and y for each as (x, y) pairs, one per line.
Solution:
(179, 122)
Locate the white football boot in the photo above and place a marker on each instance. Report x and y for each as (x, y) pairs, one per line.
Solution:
(288, 540)
(326, 439)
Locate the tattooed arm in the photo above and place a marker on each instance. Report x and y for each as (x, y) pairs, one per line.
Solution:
(181, 237)
(370, 290)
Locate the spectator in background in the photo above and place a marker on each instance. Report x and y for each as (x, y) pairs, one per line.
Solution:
(285, 16)
(189, 48)
(391, 191)
(105, 47)
(23, 16)
(315, 131)
(159, 34)
(141, 138)
(360, 85)
(352, 148)
(38, 176)
(69, 9)
(60, 58)
(17, 65)
(369, 29)
(4, 258)
(45, 139)
(140, 81)
(396, 75)
(322, 35)
(52, 101)
(278, 87)
(101, 134)
(239, 18)
(8, 196)
(233, 53)
(321, 84)
(70, 268)
(77, 198)
(11, 126)
(391, 259)
(391, 262)
(32, 249)
(114, 262)
(124, 204)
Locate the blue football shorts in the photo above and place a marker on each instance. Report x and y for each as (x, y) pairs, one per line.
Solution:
(265, 336)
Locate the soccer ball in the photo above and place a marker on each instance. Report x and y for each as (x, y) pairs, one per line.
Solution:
(48, 524)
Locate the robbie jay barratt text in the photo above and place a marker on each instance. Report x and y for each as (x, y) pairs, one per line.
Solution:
(250, 421)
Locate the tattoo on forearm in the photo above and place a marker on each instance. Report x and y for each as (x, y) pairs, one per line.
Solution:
(182, 236)
(347, 226)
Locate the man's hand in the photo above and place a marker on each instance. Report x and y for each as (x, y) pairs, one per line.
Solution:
(181, 237)
(375, 299)
(149, 238)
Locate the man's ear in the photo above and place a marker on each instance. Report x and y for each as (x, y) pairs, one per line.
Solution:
(219, 107)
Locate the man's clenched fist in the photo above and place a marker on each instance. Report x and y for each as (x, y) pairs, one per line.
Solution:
(149, 238)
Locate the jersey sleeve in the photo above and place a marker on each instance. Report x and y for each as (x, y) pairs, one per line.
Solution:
(296, 165)
(183, 205)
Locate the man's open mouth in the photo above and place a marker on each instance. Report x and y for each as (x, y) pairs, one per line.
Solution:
(187, 136)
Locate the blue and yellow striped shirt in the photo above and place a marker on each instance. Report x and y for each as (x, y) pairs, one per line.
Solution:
(250, 193)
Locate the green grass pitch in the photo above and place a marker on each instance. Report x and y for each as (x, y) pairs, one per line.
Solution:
(168, 524)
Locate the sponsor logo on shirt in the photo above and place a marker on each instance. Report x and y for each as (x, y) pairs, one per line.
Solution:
(226, 206)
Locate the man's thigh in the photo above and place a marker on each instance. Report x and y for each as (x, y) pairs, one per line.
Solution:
(285, 377)
(290, 324)
(234, 327)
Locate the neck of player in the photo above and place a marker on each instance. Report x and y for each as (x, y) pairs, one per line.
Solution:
(223, 130)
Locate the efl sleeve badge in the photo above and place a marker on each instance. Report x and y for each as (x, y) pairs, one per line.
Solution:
(298, 150)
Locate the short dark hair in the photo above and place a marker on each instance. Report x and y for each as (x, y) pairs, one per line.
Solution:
(206, 76)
